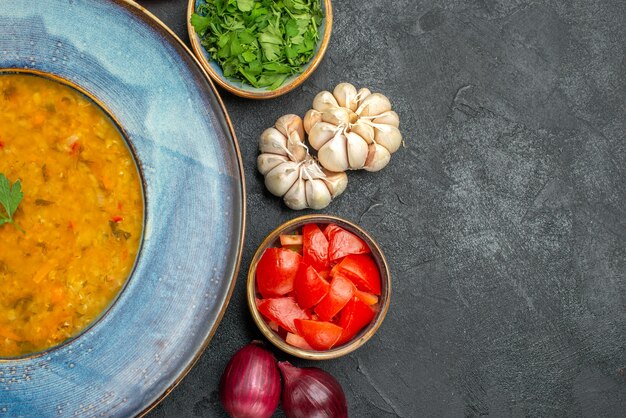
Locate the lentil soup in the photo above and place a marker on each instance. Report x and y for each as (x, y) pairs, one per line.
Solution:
(81, 214)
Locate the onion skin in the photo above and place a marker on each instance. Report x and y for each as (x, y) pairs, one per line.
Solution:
(311, 393)
(250, 384)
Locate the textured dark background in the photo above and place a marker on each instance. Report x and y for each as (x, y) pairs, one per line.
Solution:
(504, 217)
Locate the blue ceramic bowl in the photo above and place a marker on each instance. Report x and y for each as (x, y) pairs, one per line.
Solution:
(144, 76)
(246, 90)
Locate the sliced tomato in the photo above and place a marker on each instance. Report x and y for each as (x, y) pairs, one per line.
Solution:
(354, 317)
(342, 243)
(297, 341)
(362, 270)
(315, 247)
(324, 274)
(276, 271)
(320, 335)
(340, 292)
(368, 298)
(283, 311)
(309, 287)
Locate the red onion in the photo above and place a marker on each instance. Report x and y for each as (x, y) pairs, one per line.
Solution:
(250, 384)
(311, 393)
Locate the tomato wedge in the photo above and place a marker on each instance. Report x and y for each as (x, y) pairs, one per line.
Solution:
(297, 341)
(354, 317)
(340, 292)
(319, 335)
(315, 247)
(309, 287)
(366, 297)
(283, 311)
(362, 270)
(342, 243)
(276, 272)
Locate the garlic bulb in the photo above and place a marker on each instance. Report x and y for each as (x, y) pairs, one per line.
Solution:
(352, 129)
(291, 172)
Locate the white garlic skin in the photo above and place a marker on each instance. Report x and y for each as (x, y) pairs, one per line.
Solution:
(273, 142)
(321, 133)
(311, 118)
(290, 124)
(388, 136)
(364, 130)
(317, 194)
(336, 182)
(357, 151)
(334, 154)
(346, 96)
(363, 118)
(324, 101)
(377, 158)
(266, 162)
(295, 198)
(374, 105)
(389, 118)
(339, 116)
(280, 179)
(290, 171)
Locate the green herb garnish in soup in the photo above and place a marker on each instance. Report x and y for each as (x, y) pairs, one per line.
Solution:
(10, 198)
(260, 42)
(82, 210)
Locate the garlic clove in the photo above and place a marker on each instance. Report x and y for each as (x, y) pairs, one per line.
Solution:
(317, 194)
(333, 155)
(346, 96)
(312, 170)
(311, 118)
(339, 116)
(388, 118)
(374, 105)
(336, 182)
(388, 136)
(296, 146)
(324, 101)
(280, 179)
(377, 158)
(291, 127)
(357, 151)
(266, 162)
(272, 141)
(362, 94)
(365, 131)
(288, 124)
(321, 133)
(295, 198)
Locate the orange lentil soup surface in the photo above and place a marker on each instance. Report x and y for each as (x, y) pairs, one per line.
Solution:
(82, 213)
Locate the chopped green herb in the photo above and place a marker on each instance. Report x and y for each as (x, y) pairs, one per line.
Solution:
(10, 198)
(43, 202)
(117, 232)
(259, 42)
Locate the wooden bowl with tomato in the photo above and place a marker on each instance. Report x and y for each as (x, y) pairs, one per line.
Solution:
(318, 287)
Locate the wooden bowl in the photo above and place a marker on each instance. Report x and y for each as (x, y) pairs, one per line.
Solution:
(361, 338)
(245, 90)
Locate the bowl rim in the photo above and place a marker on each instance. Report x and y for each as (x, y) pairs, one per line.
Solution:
(355, 343)
(266, 94)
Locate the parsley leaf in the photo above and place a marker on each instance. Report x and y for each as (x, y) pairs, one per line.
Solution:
(259, 42)
(10, 198)
(245, 5)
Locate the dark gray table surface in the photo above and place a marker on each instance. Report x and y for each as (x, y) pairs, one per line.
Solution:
(503, 217)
